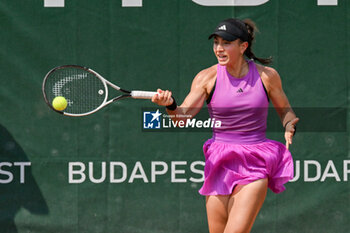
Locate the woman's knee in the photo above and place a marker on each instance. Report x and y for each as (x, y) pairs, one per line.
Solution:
(238, 228)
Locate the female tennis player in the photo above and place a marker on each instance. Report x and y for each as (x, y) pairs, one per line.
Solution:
(240, 162)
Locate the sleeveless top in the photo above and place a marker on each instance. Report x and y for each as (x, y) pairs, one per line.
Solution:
(241, 104)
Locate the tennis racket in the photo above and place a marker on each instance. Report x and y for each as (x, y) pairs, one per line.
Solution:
(85, 90)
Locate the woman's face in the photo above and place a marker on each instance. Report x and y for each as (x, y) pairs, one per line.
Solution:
(228, 52)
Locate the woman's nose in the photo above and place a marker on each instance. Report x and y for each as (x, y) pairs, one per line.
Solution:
(220, 47)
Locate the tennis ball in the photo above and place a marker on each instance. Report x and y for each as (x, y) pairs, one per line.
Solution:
(59, 103)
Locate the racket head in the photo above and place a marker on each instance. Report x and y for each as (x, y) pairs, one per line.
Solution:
(85, 90)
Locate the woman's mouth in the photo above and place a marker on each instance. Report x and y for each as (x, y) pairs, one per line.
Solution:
(221, 57)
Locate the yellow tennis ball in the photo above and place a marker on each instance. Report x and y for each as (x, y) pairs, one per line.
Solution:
(59, 103)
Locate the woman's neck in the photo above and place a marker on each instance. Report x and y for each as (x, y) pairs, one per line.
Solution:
(238, 69)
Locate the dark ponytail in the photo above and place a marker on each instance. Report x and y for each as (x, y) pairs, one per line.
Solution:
(251, 35)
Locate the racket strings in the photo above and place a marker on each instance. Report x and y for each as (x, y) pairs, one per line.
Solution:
(83, 91)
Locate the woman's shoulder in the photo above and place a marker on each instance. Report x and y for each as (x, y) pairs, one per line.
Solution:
(207, 73)
(206, 78)
(267, 74)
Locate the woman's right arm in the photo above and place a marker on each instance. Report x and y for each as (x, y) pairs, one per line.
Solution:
(200, 89)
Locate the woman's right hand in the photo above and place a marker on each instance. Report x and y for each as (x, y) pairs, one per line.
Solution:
(162, 98)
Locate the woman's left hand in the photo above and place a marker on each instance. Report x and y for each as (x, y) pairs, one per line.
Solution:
(290, 131)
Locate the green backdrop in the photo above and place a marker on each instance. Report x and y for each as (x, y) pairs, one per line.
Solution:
(161, 44)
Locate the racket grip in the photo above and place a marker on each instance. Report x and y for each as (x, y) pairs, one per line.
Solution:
(143, 94)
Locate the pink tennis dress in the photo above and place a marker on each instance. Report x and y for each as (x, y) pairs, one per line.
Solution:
(239, 152)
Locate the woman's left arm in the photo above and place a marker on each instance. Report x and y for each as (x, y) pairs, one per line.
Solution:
(280, 101)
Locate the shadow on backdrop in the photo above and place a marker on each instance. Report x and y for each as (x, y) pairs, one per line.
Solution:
(18, 188)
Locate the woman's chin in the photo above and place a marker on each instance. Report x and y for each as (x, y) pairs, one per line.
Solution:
(223, 62)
